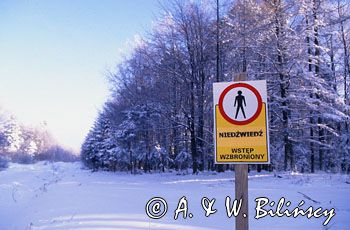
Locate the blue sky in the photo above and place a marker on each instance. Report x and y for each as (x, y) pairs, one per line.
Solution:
(54, 56)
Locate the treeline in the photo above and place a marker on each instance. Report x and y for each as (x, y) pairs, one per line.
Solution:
(159, 115)
(23, 144)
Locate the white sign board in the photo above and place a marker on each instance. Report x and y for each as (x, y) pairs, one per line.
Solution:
(241, 122)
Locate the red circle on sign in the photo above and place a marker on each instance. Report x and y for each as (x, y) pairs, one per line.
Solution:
(243, 85)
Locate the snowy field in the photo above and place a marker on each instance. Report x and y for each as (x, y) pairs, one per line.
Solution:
(64, 196)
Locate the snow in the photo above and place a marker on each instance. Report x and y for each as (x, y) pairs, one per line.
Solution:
(65, 196)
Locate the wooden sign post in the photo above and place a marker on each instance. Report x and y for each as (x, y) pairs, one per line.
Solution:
(241, 182)
(241, 192)
(241, 132)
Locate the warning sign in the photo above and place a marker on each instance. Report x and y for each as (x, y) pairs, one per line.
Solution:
(240, 122)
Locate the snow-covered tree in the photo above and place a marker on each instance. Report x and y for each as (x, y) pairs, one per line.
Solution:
(159, 115)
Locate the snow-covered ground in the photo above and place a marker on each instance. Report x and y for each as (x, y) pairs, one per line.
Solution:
(64, 196)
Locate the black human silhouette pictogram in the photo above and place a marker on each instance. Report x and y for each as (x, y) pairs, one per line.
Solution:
(239, 101)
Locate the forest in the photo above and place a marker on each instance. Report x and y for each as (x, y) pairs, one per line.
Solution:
(159, 115)
(28, 144)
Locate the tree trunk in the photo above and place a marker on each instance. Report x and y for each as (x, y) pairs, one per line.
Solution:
(193, 134)
(200, 132)
(309, 51)
(283, 88)
(317, 73)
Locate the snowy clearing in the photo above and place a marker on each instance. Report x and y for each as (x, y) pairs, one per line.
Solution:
(64, 196)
